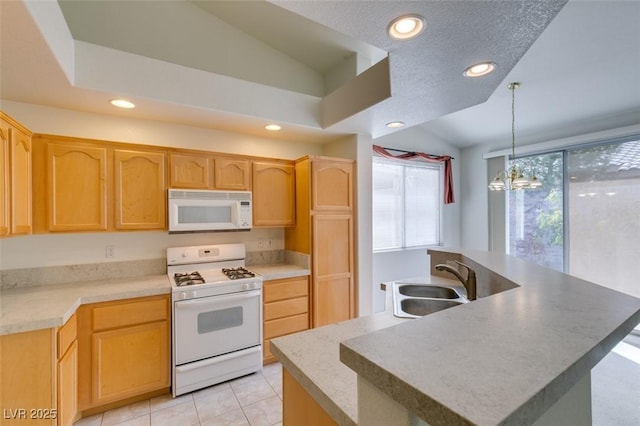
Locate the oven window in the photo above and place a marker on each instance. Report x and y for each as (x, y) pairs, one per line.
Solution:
(219, 319)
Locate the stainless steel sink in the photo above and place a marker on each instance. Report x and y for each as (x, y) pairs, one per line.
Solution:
(422, 306)
(420, 290)
(414, 300)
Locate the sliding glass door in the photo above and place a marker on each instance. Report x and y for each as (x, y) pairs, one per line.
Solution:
(536, 216)
(604, 214)
(585, 220)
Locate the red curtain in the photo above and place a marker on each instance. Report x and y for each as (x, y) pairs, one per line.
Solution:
(448, 173)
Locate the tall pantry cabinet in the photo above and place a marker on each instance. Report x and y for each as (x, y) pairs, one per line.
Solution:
(325, 230)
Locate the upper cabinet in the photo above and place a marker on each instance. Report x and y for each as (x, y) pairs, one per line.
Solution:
(273, 194)
(332, 185)
(190, 171)
(233, 174)
(15, 178)
(76, 190)
(140, 190)
(82, 185)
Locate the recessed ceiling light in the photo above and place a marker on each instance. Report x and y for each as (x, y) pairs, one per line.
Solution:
(272, 127)
(478, 70)
(122, 103)
(406, 27)
(395, 124)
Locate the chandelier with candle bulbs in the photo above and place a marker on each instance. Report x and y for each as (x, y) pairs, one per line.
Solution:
(513, 178)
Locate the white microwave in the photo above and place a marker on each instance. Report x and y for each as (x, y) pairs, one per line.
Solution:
(206, 210)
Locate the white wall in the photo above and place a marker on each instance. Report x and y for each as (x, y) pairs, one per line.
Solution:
(41, 119)
(387, 266)
(81, 248)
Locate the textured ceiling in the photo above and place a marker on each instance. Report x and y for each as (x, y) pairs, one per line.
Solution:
(237, 65)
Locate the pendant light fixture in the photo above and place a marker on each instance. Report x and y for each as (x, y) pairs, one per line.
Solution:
(513, 178)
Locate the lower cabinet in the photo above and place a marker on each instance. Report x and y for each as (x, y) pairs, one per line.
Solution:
(124, 351)
(286, 310)
(298, 407)
(27, 375)
(67, 372)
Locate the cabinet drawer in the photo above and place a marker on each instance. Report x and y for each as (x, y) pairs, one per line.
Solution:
(131, 313)
(66, 335)
(282, 326)
(286, 308)
(285, 289)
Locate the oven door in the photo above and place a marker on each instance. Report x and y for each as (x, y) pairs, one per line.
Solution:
(216, 325)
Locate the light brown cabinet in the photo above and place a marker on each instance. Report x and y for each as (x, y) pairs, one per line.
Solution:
(27, 377)
(190, 171)
(285, 310)
(298, 407)
(82, 185)
(232, 174)
(76, 187)
(124, 351)
(15, 178)
(67, 348)
(273, 194)
(140, 190)
(325, 230)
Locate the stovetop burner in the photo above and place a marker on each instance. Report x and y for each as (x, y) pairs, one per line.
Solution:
(188, 278)
(237, 273)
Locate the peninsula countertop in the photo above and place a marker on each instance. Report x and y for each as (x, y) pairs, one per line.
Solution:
(312, 357)
(503, 359)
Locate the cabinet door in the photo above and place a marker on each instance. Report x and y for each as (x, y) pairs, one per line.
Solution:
(332, 185)
(68, 386)
(190, 171)
(130, 361)
(4, 178)
(333, 288)
(273, 194)
(20, 182)
(27, 377)
(232, 174)
(76, 187)
(140, 190)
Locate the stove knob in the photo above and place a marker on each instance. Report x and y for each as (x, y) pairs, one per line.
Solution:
(245, 286)
(182, 295)
(185, 253)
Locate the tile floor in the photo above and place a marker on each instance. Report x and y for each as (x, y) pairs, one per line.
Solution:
(253, 400)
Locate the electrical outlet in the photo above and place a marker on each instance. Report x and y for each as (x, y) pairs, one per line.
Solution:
(270, 243)
(110, 252)
(260, 243)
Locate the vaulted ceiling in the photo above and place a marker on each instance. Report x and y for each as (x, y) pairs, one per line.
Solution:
(322, 69)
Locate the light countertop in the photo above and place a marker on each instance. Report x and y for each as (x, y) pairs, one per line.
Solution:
(45, 306)
(313, 358)
(502, 359)
(35, 308)
(279, 271)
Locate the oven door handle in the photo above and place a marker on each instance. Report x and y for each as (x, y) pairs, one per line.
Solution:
(189, 303)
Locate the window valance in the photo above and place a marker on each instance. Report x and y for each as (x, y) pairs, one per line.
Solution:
(407, 155)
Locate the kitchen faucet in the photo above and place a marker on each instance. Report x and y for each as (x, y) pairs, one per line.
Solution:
(469, 283)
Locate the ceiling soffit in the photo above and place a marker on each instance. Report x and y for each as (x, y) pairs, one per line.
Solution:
(424, 75)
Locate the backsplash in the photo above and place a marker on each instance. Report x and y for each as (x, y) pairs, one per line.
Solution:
(47, 275)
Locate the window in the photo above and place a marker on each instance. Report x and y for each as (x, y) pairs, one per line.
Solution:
(585, 218)
(407, 202)
(536, 219)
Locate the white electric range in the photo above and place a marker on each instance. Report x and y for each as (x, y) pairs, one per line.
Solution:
(217, 316)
